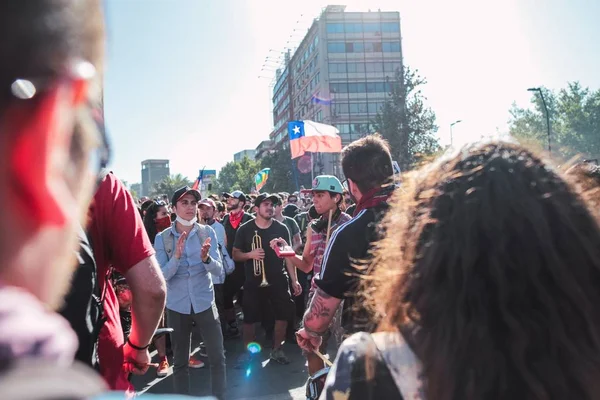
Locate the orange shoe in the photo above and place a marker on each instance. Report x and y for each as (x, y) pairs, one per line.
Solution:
(195, 363)
(163, 368)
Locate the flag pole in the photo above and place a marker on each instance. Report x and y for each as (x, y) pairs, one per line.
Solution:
(312, 168)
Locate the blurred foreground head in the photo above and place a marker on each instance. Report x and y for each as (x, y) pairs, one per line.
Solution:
(51, 52)
(491, 264)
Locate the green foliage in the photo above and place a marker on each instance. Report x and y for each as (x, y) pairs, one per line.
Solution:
(237, 176)
(240, 175)
(281, 178)
(169, 185)
(406, 122)
(574, 122)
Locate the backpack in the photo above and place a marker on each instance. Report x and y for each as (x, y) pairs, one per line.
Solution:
(83, 306)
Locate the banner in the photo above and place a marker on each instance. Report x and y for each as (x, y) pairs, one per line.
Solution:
(261, 178)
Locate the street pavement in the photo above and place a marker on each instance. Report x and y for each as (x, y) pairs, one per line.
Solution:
(264, 380)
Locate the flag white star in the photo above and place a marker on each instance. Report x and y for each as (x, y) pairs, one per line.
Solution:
(296, 130)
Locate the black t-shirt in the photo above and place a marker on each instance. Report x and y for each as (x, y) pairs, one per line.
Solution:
(230, 231)
(274, 266)
(350, 242)
(350, 210)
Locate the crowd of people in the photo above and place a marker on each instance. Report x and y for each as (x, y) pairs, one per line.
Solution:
(477, 278)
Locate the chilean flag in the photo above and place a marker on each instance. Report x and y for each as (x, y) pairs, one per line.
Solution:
(313, 137)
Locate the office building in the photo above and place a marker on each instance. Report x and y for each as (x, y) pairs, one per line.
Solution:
(153, 171)
(339, 75)
(239, 156)
(265, 147)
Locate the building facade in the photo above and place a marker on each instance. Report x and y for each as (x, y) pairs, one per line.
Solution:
(153, 171)
(265, 147)
(339, 75)
(239, 156)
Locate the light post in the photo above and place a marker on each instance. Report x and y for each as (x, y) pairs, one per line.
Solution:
(451, 125)
(539, 90)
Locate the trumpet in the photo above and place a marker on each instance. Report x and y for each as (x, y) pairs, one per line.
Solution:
(259, 265)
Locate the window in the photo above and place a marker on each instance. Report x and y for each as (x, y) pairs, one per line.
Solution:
(391, 47)
(353, 27)
(368, 47)
(339, 87)
(337, 68)
(335, 28)
(341, 108)
(336, 47)
(359, 47)
(372, 27)
(374, 67)
(344, 128)
(349, 47)
(390, 27)
(319, 116)
(391, 66)
(356, 67)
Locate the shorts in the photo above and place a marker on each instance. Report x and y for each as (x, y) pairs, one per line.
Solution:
(277, 296)
(233, 283)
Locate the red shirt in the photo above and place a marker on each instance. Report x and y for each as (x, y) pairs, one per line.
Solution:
(119, 240)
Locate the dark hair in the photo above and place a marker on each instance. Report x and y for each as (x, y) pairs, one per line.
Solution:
(149, 223)
(368, 162)
(146, 205)
(220, 206)
(39, 38)
(492, 262)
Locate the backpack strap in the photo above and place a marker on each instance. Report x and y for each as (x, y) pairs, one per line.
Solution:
(402, 363)
(168, 242)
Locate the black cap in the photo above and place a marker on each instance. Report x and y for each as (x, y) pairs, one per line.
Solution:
(179, 193)
(266, 196)
(238, 194)
(291, 210)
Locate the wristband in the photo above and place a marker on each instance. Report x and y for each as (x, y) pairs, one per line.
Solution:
(208, 260)
(133, 346)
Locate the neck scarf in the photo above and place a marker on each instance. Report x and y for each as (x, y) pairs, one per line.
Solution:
(373, 198)
(320, 224)
(235, 218)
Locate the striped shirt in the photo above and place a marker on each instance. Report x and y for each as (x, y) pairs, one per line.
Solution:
(317, 245)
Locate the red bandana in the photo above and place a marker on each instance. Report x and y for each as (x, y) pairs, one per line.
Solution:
(373, 198)
(236, 218)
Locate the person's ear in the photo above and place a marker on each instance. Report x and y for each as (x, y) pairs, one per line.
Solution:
(39, 160)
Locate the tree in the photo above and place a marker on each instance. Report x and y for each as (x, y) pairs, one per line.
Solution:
(169, 185)
(574, 122)
(406, 122)
(238, 175)
(284, 172)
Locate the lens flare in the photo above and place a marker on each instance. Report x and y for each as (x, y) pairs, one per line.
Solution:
(254, 348)
(248, 372)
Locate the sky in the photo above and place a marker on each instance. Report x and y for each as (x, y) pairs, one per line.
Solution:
(185, 80)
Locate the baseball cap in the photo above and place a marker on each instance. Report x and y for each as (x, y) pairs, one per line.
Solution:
(179, 193)
(208, 202)
(266, 196)
(237, 194)
(326, 183)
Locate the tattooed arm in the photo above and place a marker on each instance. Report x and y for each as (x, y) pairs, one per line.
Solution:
(320, 312)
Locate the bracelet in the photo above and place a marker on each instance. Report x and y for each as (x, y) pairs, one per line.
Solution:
(133, 346)
(208, 260)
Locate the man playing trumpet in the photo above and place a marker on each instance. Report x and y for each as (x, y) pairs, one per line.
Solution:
(265, 276)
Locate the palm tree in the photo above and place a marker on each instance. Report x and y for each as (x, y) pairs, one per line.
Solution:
(169, 185)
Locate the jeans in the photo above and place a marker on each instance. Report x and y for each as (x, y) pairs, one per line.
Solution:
(208, 324)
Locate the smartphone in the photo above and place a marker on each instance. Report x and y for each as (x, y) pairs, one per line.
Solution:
(284, 251)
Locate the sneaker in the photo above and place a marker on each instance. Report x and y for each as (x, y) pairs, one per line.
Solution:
(195, 363)
(202, 351)
(279, 356)
(163, 368)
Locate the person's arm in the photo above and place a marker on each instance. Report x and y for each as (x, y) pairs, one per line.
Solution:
(167, 266)
(305, 262)
(215, 263)
(320, 313)
(239, 255)
(148, 290)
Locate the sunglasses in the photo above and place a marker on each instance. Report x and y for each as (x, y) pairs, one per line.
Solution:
(27, 88)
